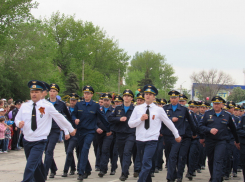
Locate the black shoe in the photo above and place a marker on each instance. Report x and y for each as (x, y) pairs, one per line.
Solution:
(86, 174)
(72, 172)
(52, 175)
(170, 180)
(156, 171)
(179, 180)
(194, 173)
(152, 175)
(203, 167)
(101, 174)
(234, 175)
(97, 169)
(80, 177)
(136, 174)
(189, 176)
(113, 173)
(239, 170)
(123, 178)
(160, 169)
(64, 174)
(199, 171)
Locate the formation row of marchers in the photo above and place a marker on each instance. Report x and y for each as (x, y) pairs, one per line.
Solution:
(188, 135)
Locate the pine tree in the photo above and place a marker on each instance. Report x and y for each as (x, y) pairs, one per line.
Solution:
(145, 81)
(71, 83)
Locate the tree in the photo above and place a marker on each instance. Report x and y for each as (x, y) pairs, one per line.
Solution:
(27, 55)
(154, 65)
(237, 95)
(12, 13)
(71, 83)
(209, 83)
(77, 42)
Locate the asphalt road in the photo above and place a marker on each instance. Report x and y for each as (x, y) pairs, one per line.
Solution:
(12, 167)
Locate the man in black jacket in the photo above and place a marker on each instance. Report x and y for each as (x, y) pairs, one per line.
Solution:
(125, 136)
(15, 128)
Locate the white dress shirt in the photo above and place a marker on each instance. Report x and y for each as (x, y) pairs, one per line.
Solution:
(44, 121)
(157, 116)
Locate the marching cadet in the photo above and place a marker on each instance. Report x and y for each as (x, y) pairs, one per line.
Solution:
(160, 146)
(140, 99)
(54, 134)
(137, 163)
(241, 134)
(202, 152)
(237, 114)
(178, 114)
(85, 115)
(147, 119)
(232, 153)
(105, 136)
(125, 136)
(185, 143)
(214, 124)
(71, 143)
(194, 147)
(35, 117)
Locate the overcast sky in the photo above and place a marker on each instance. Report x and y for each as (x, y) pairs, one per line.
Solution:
(192, 34)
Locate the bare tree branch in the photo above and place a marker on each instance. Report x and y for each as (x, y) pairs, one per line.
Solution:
(209, 83)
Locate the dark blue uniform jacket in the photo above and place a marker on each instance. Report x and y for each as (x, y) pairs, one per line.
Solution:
(114, 118)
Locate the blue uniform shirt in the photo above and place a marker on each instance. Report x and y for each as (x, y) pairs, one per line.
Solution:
(88, 113)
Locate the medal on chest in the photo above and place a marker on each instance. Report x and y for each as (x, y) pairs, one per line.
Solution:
(41, 110)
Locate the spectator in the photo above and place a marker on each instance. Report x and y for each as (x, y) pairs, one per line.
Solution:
(10, 101)
(7, 136)
(10, 114)
(1, 103)
(15, 128)
(2, 132)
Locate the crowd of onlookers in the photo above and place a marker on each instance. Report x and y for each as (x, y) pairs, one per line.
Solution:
(10, 135)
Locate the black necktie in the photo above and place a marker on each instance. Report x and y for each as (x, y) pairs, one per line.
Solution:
(34, 118)
(147, 121)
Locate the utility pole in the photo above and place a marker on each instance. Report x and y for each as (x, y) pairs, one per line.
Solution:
(119, 81)
(83, 75)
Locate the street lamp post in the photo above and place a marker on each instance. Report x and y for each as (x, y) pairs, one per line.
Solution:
(119, 81)
(83, 70)
(181, 87)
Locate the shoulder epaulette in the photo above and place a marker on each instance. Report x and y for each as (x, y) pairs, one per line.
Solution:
(228, 112)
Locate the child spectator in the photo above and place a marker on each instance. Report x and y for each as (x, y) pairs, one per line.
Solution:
(7, 135)
(2, 133)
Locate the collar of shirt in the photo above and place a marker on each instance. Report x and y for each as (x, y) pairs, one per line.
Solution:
(178, 106)
(56, 102)
(38, 103)
(220, 114)
(151, 105)
(109, 108)
(89, 103)
(131, 107)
